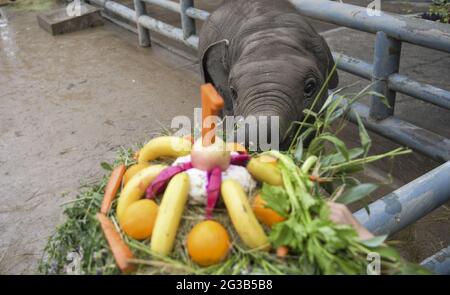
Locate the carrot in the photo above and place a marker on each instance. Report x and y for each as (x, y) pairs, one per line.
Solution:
(112, 187)
(282, 251)
(318, 179)
(212, 103)
(122, 254)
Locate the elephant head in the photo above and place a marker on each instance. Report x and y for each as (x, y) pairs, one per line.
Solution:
(270, 69)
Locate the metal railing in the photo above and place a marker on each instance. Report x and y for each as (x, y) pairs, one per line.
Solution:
(410, 202)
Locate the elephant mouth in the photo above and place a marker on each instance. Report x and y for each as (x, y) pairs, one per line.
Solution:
(262, 132)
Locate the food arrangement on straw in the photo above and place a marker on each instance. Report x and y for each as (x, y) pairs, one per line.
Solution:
(180, 207)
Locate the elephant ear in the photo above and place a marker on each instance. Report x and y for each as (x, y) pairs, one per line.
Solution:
(324, 56)
(214, 66)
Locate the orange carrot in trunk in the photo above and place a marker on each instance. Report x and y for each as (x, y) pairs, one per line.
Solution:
(122, 254)
(112, 187)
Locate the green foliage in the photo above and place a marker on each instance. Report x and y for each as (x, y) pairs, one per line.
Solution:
(80, 236)
(320, 245)
(441, 8)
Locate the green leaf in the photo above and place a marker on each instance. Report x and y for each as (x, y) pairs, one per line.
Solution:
(356, 193)
(375, 241)
(413, 269)
(382, 98)
(387, 253)
(298, 154)
(338, 144)
(337, 158)
(364, 137)
(317, 145)
(327, 102)
(106, 166)
(276, 199)
(351, 168)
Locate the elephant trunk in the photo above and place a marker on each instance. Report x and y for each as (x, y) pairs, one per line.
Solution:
(271, 117)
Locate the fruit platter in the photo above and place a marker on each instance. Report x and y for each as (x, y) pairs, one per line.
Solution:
(178, 205)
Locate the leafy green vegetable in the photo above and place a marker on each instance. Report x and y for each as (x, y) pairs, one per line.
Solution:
(276, 196)
(356, 193)
(321, 245)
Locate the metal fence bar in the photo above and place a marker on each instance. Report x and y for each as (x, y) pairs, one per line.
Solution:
(169, 5)
(396, 82)
(168, 31)
(428, 34)
(426, 142)
(143, 33)
(148, 22)
(422, 91)
(116, 8)
(409, 203)
(353, 65)
(187, 23)
(438, 263)
(197, 13)
(386, 62)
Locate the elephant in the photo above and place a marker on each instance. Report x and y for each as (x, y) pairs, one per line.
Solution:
(265, 59)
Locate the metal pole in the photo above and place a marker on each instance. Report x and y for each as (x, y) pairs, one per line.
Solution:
(416, 31)
(409, 203)
(439, 263)
(423, 141)
(169, 5)
(353, 65)
(422, 91)
(386, 62)
(143, 33)
(187, 23)
(197, 13)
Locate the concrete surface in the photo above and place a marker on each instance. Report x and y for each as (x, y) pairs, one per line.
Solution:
(69, 102)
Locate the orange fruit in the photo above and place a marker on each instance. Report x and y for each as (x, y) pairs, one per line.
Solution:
(208, 243)
(236, 147)
(132, 170)
(264, 214)
(139, 219)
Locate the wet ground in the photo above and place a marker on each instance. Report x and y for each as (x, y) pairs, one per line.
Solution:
(69, 102)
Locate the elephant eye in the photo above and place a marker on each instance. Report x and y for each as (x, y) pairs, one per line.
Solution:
(310, 87)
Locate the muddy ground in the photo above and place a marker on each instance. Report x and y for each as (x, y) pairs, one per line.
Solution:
(69, 102)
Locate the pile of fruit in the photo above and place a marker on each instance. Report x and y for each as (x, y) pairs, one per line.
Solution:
(179, 206)
(284, 220)
(208, 242)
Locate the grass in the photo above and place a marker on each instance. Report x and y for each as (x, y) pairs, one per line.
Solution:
(439, 10)
(35, 5)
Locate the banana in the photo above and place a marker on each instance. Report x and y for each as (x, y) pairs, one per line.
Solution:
(265, 169)
(242, 216)
(136, 186)
(169, 214)
(165, 146)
